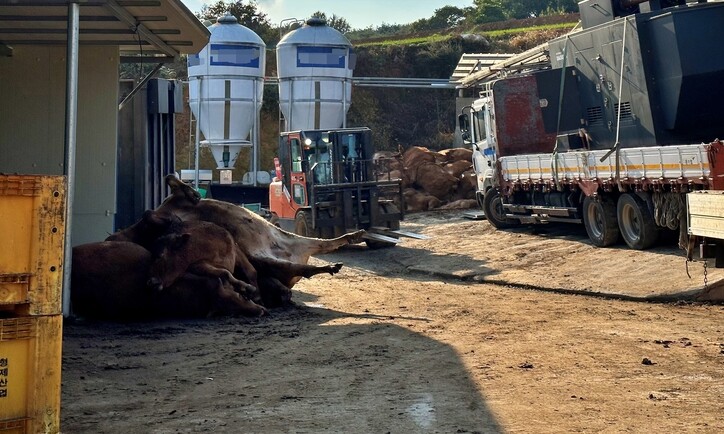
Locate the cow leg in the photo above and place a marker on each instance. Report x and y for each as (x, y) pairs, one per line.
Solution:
(228, 301)
(206, 269)
(286, 270)
(273, 292)
(243, 268)
(313, 246)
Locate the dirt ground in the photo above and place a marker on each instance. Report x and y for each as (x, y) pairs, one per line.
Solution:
(472, 330)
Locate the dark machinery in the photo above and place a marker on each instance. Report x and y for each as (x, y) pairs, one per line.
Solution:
(328, 184)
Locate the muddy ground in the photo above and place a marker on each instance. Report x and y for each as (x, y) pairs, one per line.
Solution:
(473, 330)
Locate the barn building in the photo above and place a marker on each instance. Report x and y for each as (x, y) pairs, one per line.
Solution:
(59, 91)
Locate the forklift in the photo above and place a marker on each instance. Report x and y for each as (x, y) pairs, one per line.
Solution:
(327, 184)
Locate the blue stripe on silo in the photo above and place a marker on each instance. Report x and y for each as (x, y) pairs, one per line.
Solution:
(321, 57)
(235, 55)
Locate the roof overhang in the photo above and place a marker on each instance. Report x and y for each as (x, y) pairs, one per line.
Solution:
(163, 28)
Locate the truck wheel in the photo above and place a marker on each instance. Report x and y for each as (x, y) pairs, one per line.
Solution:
(637, 224)
(599, 217)
(303, 225)
(494, 212)
(387, 208)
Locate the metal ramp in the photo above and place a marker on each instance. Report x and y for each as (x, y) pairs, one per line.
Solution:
(388, 235)
(474, 215)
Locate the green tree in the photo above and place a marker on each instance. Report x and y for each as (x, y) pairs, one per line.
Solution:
(487, 11)
(335, 21)
(248, 14)
(535, 8)
(447, 16)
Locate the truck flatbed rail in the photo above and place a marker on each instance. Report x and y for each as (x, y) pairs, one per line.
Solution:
(661, 164)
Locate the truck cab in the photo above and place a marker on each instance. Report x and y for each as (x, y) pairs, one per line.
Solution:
(476, 124)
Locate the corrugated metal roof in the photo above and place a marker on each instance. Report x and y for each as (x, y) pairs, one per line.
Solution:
(164, 27)
(472, 62)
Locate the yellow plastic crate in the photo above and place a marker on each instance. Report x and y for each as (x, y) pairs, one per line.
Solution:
(32, 230)
(30, 367)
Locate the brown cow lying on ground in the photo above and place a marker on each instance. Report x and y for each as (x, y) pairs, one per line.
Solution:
(223, 246)
(109, 278)
(206, 249)
(203, 249)
(262, 242)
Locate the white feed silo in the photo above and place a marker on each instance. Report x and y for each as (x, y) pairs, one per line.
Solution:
(315, 64)
(226, 85)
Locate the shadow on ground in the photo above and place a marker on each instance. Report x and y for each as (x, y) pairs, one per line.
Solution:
(302, 370)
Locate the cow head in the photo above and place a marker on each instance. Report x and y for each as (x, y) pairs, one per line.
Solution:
(169, 262)
(152, 225)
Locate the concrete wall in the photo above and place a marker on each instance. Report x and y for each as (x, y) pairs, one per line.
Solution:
(32, 126)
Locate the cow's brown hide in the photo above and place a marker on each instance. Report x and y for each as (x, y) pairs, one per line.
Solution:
(108, 281)
(460, 204)
(419, 201)
(434, 180)
(456, 154)
(204, 249)
(457, 168)
(256, 237)
(467, 185)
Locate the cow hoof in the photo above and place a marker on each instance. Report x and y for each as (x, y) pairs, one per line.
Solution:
(334, 269)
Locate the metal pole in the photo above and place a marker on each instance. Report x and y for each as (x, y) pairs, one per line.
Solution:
(255, 145)
(344, 103)
(198, 131)
(139, 86)
(71, 123)
(288, 126)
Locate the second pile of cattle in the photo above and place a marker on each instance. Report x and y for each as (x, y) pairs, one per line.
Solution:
(194, 257)
(433, 179)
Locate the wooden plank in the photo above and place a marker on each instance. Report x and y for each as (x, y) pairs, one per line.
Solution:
(706, 213)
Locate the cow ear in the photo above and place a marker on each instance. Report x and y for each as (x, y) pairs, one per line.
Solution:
(172, 181)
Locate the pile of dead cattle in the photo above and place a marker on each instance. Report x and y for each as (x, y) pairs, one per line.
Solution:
(432, 179)
(194, 257)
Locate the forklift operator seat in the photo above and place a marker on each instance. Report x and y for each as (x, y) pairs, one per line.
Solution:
(320, 157)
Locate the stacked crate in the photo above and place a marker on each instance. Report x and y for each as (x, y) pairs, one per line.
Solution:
(32, 231)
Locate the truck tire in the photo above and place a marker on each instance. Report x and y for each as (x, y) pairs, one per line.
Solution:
(599, 218)
(387, 208)
(493, 209)
(303, 225)
(636, 222)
